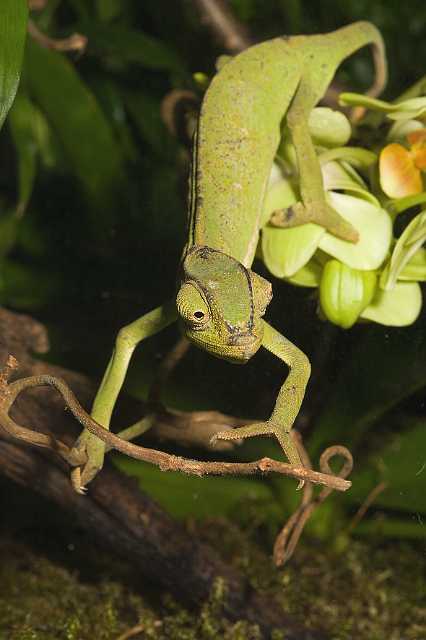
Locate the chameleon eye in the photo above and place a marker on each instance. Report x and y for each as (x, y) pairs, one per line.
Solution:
(191, 306)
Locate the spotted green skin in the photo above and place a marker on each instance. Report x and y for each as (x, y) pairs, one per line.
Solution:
(221, 302)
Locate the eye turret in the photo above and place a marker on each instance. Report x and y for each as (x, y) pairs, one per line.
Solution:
(192, 307)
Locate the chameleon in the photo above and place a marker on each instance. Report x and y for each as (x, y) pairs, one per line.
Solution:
(221, 302)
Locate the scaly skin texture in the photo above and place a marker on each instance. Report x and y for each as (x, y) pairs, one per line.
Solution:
(221, 301)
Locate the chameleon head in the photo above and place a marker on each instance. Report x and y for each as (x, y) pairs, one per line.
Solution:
(221, 303)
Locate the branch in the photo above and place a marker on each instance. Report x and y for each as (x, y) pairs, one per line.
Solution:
(231, 33)
(165, 461)
(117, 512)
(288, 538)
(74, 42)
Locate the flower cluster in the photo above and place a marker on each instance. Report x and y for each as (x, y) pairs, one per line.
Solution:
(377, 278)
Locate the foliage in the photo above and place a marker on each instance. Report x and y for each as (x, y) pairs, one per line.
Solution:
(92, 218)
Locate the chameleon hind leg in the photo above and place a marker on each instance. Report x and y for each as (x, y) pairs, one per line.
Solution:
(127, 340)
(322, 55)
(289, 399)
(313, 206)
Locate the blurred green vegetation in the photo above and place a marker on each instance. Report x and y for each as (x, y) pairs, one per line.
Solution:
(92, 223)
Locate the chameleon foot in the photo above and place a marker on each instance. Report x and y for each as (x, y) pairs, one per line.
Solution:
(94, 449)
(320, 213)
(263, 429)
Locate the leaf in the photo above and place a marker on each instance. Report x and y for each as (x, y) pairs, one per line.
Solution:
(374, 226)
(405, 249)
(13, 28)
(361, 100)
(409, 109)
(340, 176)
(307, 276)
(401, 464)
(286, 251)
(24, 287)
(124, 46)
(345, 292)
(144, 110)
(328, 127)
(385, 367)
(415, 269)
(355, 156)
(183, 496)
(8, 232)
(22, 119)
(398, 307)
(80, 125)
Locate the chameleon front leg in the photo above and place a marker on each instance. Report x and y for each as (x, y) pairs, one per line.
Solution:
(127, 340)
(289, 399)
(313, 207)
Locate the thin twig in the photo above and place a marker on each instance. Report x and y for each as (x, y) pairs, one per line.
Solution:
(36, 5)
(218, 16)
(134, 631)
(74, 42)
(288, 537)
(165, 461)
(367, 504)
(167, 366)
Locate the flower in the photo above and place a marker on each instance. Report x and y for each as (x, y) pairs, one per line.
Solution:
(400, 168)
(375, 279)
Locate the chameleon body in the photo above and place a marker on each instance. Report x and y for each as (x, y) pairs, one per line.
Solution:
(220, 301)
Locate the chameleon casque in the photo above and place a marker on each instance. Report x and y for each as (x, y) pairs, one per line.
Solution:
(220, 301)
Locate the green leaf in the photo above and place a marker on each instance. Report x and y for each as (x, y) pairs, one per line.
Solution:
(81, 127)
(128, 46)
(401, 464)
(280, 194)
(409, 109)
(24, 287)
(398, 307)
(108, 9)
(407, 245)
(374, 226)
(384, 368)
(361, 100)
(286, 251)
(22, 119)
(329, 128)
(182, 495)
(307, 276)
(340, 176)
(343, 293)
(13, 28)
(355, 156)
(415, 269)
(8, 232)
(145, 112)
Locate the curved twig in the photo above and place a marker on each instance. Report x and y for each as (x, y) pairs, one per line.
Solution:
(287, 539)
(74, 42)
(218, 16)
(165, 461)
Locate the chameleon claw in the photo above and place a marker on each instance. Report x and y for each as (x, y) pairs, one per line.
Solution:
(94, 450)
(76, 481)
(262, 429)
(320, 213)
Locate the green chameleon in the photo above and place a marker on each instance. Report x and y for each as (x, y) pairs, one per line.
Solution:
(221, 302)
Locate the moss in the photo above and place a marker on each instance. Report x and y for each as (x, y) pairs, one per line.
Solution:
(362, 591)
(370, 591)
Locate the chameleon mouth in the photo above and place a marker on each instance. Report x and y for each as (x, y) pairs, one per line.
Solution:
(241, 347)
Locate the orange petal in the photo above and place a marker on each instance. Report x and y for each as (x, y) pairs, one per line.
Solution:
(399, 176)
(417, 137)
(417, 140)
(419, 157)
